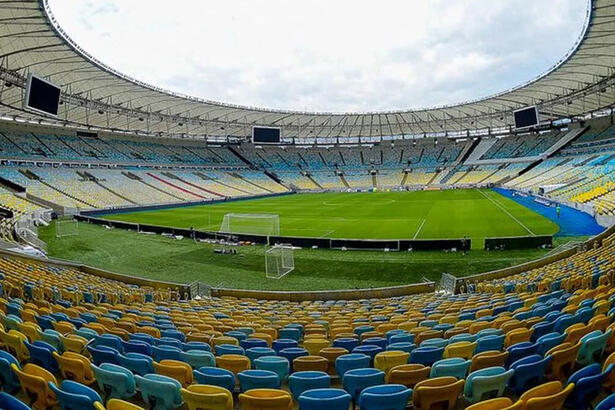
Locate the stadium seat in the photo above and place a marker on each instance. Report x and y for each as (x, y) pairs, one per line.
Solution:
(198, 396)
(386, 396)
(214, 376)
(159, 391)
(258, 379)
(114, 381)
(271, 399)
(438, 390)
(324, 399)
(490, 381)
(73, 395)
(455, 366)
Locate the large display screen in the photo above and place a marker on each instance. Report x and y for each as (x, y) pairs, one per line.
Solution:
(266, 135)
(526, 117)
(41, 96)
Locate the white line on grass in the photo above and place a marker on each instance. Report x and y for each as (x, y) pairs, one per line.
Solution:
(327, 234)
(419, 230)
(507, 213)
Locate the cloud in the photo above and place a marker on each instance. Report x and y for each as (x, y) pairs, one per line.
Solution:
(343, 55)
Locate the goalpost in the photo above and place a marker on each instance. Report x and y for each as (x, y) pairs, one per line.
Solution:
(251, 224)
(279, 260)
(67, 227)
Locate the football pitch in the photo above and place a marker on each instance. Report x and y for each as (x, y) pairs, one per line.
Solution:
(475, 213)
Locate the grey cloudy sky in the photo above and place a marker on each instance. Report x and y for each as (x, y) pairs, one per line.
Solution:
(327, 55)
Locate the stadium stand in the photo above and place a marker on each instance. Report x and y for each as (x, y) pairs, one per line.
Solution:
(541, 336)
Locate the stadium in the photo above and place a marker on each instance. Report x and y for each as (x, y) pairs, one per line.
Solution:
(161, 250)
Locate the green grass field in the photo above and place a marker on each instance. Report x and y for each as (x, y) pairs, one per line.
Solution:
(382, 215)
(184, 261)
(353, 215)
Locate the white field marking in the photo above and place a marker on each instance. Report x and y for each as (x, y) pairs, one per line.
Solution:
(419, 230)
(507, 213)
(327, 233)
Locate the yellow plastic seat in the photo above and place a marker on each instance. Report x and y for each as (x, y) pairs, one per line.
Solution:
(490, 358)
(408, 374)
(33, 380)
(74, 343)
(180, 371)
(313, 346)
(31, 330)
(14, 341)
(63, 327)
(575, 332)
(270, 399)
(224, 340)
(117, 404)
(547, 396)
(500, 403)
(74, 366)
(462, 349)
(204, 396)
(385, 361)
(310, 363)
(233, 362)
(609, 383)
(435, 391)
(517, 336)
(564, 357)
(332, 353)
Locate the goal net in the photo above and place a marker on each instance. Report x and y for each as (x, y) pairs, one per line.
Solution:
(251, 224)
(279, 260)
(67, 227)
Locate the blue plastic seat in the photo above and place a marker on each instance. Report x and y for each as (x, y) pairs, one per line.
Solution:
(252, 342)
(9, 402)
(194, 345)
(215, 376)
(53, 338)
(279, 365)
(563, 322)
(160, 392)
(258, 379)
(347, 362)
(103, 354)
(137, 363)
(300, 382)
(290, 333)
(45, 322)
(489, 382)
(236, 334)
(489, 342)
(229, 349)
(169, 341)
(426, 355)
(520, 350)
(455, 367)
(369, 350)
(280, 344)
(588, 384)
(593, 346)
(359, 330)
(401, 337)
(8, 380)
(41, 355)
(355, 380)
(435, 342)
(137, 346)
(548, 341)
(75, 396)
(110, 341)
(529, 373)
(86, 333)
(198, 358)
(584, 314)
(385, 397)
(376, 341)
(291, 353)
(402, 346)
(143, 337)
(463, 337)
(541, 329)
(347, 343)
(254, 353)
(607, 404)
(173, 334)
(166, 353)
(115, 381)
(395, 332)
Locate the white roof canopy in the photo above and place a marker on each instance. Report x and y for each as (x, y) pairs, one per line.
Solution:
(97, 97)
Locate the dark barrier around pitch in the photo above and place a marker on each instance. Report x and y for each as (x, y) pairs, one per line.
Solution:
(519, 242)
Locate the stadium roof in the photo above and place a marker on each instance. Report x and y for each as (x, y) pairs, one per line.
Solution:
(98, 97)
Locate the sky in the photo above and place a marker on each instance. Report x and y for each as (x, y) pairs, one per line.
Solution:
(327, 55)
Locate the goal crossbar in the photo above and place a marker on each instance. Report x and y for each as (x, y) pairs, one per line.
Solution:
(252, 224)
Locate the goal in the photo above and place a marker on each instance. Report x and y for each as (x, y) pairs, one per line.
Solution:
(279, 260)
(67, 227)
(251, 224)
